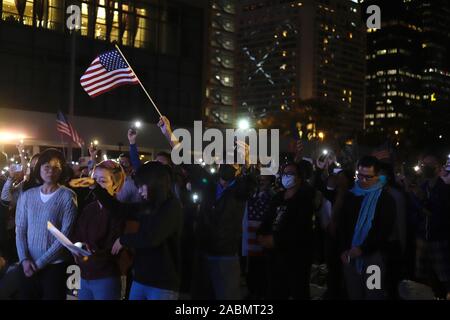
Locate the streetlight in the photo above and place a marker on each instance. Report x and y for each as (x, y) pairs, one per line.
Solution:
(243, 124)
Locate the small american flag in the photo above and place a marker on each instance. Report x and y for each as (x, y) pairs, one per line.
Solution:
(63, 126)
(383, 152)
(108, 71)
(257, 207)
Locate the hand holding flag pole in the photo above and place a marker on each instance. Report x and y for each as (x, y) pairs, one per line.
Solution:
(142, 86)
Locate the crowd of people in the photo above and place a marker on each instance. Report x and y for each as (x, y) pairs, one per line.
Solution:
(185, 232)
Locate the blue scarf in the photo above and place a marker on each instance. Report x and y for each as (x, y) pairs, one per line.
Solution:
(365, 217)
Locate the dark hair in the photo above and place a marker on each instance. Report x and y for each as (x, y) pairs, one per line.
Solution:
(306, 169)
(388, 170)
(165, 155)
(370, 161)
(32, 180)
(46, 157)
(300, 170)
(158, 179)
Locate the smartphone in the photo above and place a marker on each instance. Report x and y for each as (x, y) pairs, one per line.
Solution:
(133, 130)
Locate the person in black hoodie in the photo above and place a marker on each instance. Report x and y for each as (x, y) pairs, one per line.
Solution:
(287, 234)
(157, 241)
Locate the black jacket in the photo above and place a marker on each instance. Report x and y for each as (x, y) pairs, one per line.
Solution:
(433, 219)
(157, 242)
(290, 222)
(382, 224)
(219, 228)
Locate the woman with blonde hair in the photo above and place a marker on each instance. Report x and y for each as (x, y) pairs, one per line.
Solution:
(97, 229)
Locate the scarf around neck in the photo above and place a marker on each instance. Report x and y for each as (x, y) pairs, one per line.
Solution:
(366, 215)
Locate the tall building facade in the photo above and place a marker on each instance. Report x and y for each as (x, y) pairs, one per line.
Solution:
(219, 62)
(293, 54)
(408, 79)
(393, 75)
(162, 39)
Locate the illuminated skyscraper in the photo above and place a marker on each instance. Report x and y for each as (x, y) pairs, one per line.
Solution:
(220, 56)
(408, 74)
(292, 53)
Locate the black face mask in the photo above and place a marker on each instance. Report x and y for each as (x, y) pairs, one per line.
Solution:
(429, 172)
(227, 172)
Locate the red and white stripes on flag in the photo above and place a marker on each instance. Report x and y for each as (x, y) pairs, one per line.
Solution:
(382, 154)
(108, 71)
(253, 248)
(63, 126)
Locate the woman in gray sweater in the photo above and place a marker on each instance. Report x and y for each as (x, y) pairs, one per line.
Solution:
(40, 254)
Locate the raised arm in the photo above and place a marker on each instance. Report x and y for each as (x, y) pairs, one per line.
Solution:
(124, 209)
(134, 155)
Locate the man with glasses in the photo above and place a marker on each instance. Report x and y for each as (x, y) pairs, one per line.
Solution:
(364, 226)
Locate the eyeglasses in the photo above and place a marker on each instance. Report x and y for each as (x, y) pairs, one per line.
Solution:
(365, 177)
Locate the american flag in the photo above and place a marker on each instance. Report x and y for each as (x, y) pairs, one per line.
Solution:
(63, 126)
(257, 207)
(108, 71)
(383, 152)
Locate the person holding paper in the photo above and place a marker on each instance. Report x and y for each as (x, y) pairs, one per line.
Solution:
(41, 254)
(97, 229)
(157, 240)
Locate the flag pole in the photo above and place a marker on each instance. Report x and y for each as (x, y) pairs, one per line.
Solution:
(142, 86)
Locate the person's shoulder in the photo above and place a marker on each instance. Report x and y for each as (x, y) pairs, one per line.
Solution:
(67, 192)
(386, 195)
(30, 192)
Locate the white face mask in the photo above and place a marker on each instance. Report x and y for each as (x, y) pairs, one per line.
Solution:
(288, 181)
(188, 186)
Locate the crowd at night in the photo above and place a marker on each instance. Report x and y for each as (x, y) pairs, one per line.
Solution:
(349, 199)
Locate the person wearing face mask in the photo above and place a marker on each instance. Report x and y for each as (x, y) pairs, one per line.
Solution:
(219, 226)
(97, 229)
(286, 234)
(156, 268)
(433, 236)
(364, 226)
